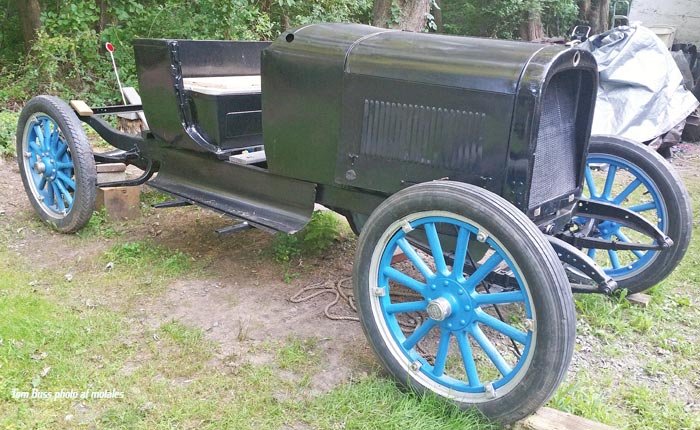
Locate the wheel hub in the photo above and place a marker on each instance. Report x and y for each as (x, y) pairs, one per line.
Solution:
(39, 167)
(439, 309)
(453, 307)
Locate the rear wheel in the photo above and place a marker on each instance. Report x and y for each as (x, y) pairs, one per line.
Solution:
(442, 323)
(630, 175)
(56, 163)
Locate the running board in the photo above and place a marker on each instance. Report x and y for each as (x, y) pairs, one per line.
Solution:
(267, 201)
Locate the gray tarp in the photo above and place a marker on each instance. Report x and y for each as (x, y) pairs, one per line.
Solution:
(641, 93)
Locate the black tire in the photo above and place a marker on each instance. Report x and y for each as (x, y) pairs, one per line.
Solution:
(665, 185)
(59, 177)
(550, 327)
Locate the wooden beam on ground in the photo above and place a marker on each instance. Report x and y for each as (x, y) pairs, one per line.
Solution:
(639, 299)
(552, 419)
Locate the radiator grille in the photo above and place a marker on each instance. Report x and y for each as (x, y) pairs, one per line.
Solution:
(556, 156)
(422, 134)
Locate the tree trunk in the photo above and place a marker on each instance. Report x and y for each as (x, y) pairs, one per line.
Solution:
(414, 14)
(596, 13)
(30, 18)
(381, 13)
(437, 14)
(531, 27)
(103, 18)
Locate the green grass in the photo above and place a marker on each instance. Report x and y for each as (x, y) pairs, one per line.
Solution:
(8, 128)
(147, 258)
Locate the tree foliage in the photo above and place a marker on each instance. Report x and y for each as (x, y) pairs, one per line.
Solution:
(503, 18)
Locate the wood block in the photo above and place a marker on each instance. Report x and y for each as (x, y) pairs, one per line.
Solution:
(81, 108)
(111, 172)
(552, 419)
(639, 299)
(120, 203)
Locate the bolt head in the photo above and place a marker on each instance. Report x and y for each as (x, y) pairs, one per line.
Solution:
(446, 283)
(462, 322)
(467, 308)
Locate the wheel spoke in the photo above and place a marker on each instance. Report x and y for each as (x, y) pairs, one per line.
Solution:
(468, 359)
(491, 351)
(47, 133)
(396, 308)
(502, 327)
(591, 253)
(436, 248)
(613, 259)
(609, 181)
(441, 354)
(42, 183)
(63, 165)
(623, 237)
(627, 191)
(40, 136)
(404, 279)
(64, 192)
(419, 334)
(643, 207)
(57, 193)
(417, 261)
(483, 271)
(460, 250)
(48, 197)
(66, 180)
(53, 141)
(591, 183)
(62, 148)
(34, 148)
(500, 298)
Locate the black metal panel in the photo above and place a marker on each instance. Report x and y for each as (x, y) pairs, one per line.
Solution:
(302, 87)
(223, 119)
(244, 192)
(155, 64)
(405, 132)
(409, 132)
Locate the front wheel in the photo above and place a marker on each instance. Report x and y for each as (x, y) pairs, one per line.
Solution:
(495, 332)
(628, 174)
(56, 163)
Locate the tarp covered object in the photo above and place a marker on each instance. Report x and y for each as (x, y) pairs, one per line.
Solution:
(641, 93)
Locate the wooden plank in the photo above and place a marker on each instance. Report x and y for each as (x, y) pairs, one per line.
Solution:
(81, 108)
(552, 419)
(639, 299)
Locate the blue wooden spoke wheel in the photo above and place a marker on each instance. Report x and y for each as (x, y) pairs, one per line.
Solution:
(628, 174)
(494, 329)
(56, 163)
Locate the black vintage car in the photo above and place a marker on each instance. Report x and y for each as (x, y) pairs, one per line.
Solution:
(465, 165)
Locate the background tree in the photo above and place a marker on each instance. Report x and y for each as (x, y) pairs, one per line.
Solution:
(30, 19)
(595, 13)
(412, 14)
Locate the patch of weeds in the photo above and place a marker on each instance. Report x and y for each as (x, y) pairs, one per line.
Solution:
(8, 128)
(145, 255)
(376, 403)
(285, 247)
(298, 353)
(584, 397)
(320, 233)
(654, 410)
(153, 197)
(187, 337)
(98, 226)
